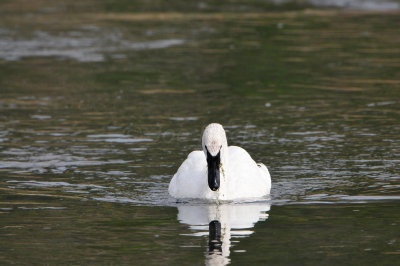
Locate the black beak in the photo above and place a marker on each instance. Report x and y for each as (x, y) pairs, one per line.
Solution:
(213, 163)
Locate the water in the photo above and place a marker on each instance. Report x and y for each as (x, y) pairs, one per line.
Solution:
(100, 103)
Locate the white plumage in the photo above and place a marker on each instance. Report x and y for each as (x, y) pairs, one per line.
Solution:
(239, 175)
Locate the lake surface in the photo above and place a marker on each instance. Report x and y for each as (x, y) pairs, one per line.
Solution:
(100, 102)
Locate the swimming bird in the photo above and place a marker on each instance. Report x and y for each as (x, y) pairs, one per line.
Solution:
(219, 172)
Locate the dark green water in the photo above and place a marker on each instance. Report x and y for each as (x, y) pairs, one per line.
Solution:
(100, 102)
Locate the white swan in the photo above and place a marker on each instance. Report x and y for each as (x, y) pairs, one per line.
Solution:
(219, 172)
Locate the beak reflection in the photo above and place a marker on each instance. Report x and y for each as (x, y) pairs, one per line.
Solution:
(214, 239)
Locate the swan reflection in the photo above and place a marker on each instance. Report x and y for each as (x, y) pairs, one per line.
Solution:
(224, 224)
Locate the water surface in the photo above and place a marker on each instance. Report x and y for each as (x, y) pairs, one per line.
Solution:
(100, 104)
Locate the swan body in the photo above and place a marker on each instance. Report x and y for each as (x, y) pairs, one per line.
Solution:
(219, 172)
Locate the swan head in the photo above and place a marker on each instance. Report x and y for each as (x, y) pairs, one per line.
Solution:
(215, 146)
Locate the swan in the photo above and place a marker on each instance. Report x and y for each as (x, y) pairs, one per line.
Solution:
(219, 172)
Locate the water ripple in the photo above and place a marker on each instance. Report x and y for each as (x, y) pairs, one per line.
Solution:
(88, 46)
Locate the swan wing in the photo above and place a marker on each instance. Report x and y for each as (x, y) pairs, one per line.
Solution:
(249, 179)
(190, 180)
